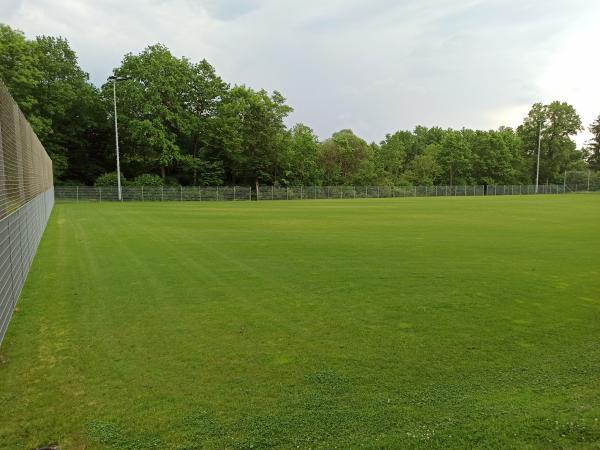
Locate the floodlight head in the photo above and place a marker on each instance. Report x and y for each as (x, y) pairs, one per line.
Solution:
(115, 78)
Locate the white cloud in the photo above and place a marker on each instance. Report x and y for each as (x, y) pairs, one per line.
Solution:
(372, 65)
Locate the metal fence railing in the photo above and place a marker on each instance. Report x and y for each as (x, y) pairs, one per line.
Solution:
(237, 193)
(26, 199)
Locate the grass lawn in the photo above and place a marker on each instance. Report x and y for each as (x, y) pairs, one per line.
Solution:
(407, 323)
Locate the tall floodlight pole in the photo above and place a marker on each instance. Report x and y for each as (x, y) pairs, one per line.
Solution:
(537, 175)
(114, 80)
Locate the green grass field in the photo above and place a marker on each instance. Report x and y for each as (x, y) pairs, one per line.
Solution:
(409, 323)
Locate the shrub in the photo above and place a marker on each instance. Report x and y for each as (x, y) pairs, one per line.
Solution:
(147, 179)
(109, 179)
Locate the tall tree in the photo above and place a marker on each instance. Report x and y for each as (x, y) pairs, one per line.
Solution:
(251, 131)
(54, 93)
(70, 120)
(559, 124)
(18, 67)
(347, 159)
(455, 158)
(300, 161)
(593, 146)
(424, 169)
(203, 98)
(497, 156)
(392, 154)
(154, 109)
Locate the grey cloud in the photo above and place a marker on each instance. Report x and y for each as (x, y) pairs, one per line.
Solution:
(10, 7)
(230, 9)
(371, 65)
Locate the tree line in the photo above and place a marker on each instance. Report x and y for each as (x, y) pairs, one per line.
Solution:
(181, 123)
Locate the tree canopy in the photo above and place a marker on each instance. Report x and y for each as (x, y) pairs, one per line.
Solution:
(181, 123)
(593, 147)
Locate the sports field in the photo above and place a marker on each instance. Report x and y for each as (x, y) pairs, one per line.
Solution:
(408, 323)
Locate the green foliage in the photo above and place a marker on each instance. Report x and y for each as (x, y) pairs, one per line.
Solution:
(153, 108)
(109, 179)
(593, 147)
(424, 169)
(455, 156)
(208, 173)
(497, 157)
(252, 134)
(18, 67)
(146, 179)
(347, 159)
(180, 119)
(559, 123)
(64, 109)
(301, 158)
(393, 153)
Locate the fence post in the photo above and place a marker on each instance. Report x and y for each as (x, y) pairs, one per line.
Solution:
(100, 190)
(218, 192)
(301, 193)
(250, 194)
(77, 192)
(142, 193)
(287, 193)
(272, 192)
(200, 193)
(234, 193)
(162, 193)
(180, 193)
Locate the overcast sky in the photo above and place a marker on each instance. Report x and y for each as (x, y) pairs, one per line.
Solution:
(374, 66)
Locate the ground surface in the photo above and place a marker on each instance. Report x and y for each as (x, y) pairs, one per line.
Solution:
(408, 323)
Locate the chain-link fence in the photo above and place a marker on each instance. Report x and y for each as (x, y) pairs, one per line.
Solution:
(237, 193)
(26, 199)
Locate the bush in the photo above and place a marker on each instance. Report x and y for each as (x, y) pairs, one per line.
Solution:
(147, 179)
(109, 179)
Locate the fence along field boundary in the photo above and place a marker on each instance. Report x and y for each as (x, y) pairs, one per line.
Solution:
(26, 200)
(240, 193)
